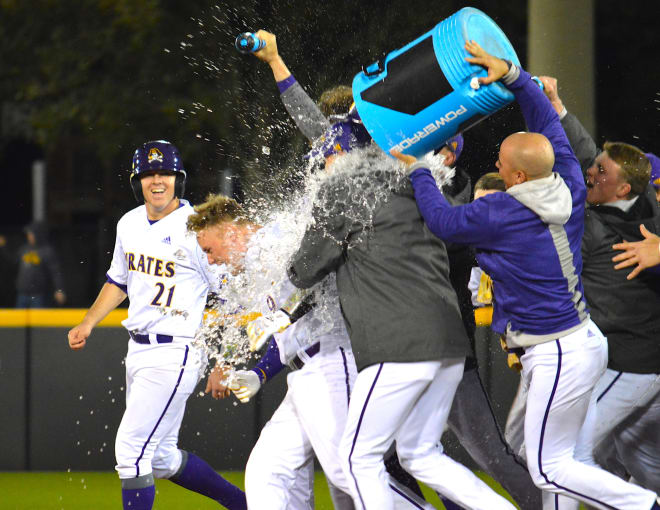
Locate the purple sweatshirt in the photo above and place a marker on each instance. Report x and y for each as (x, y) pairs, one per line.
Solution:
(528, 239)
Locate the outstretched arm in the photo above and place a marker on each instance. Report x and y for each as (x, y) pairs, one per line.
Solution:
(464, 224)
(322, 248)
(536, 108)
(541, 117)
(271, 56)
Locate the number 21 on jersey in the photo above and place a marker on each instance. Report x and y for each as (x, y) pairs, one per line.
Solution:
(159, 295)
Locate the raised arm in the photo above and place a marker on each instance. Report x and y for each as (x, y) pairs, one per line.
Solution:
(541, 117)
(301, 108)
(583, 144)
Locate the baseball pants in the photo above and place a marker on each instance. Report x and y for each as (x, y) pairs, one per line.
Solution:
(636, 447)
(310, 420)
(514, 430)
(616, 397)
(407, 403)
(561, 375)
(159, 380)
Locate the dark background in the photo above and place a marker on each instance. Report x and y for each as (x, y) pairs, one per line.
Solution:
(64, 408)
(82, 83)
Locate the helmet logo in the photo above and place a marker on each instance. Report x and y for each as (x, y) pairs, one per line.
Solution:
(154, 155)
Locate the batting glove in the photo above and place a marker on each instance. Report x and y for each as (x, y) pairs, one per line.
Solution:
(262, 328)
(245, 385)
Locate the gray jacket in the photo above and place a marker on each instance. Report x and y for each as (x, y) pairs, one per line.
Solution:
(626, 311)
(392, 273)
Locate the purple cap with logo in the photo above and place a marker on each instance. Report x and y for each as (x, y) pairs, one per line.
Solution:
(455, 144)
(157, 155)
(346, 134)
(655, 169)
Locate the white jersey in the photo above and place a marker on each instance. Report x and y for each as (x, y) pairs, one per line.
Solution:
(266, 261)
(164, 272)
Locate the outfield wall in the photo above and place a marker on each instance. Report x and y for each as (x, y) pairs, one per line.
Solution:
(61, 409)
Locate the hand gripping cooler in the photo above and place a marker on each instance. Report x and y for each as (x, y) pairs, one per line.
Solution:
(416, 98)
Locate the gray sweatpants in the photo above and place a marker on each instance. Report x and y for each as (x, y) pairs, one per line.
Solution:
(473, 422)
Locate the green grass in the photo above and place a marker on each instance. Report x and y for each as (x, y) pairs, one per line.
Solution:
(100, 491)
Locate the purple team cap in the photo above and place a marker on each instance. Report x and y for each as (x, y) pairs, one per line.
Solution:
(346, 134)
(455, 144)
(655, 169)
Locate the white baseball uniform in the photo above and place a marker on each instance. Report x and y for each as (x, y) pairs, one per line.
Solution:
(621, 423)
(311, 418)
(166, 276)
(616, 396)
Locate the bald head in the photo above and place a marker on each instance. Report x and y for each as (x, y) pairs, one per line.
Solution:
(525, 157)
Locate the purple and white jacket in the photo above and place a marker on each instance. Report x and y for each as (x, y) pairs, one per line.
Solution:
(528, 239)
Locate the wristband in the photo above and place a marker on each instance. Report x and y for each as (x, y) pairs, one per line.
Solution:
(262, 376)
(512, 74)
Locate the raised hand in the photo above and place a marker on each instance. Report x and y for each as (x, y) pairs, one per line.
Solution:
(260, 329)
(496, 66)
(644, 253)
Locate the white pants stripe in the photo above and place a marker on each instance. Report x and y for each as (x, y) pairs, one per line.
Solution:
(407, 403)
(310, 420)
(159, 380)
(561, 376)
(160, 418)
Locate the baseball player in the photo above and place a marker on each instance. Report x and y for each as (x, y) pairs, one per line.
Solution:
(312, 415)
(166, 277)
(529, 240)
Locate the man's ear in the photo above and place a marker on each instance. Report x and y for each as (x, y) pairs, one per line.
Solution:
(450, 158)
(623, 190)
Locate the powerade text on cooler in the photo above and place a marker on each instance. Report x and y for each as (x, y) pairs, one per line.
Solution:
(417, 97)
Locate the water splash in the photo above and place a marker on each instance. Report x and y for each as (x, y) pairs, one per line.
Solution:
(367, 177)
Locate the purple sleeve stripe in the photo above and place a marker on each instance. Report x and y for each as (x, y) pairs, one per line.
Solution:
(270, 363)
(121, 286)
(285, 83)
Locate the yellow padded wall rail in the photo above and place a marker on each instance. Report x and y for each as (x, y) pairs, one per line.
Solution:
(70, 317)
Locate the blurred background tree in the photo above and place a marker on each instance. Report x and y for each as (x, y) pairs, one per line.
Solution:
(83, 82)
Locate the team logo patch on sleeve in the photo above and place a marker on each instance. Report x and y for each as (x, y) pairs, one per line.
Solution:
(154, 155)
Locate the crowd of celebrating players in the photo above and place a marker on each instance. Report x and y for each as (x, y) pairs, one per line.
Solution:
(379, 371)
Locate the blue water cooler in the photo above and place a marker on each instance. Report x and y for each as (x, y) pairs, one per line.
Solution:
(416, 98)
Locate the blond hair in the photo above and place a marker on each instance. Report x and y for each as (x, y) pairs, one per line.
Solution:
(216, 210)
(635, 166)
(337, 100)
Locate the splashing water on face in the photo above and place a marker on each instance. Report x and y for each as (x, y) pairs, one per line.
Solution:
(368, 177)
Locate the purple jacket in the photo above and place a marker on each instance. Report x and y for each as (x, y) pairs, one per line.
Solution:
(528, 238)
